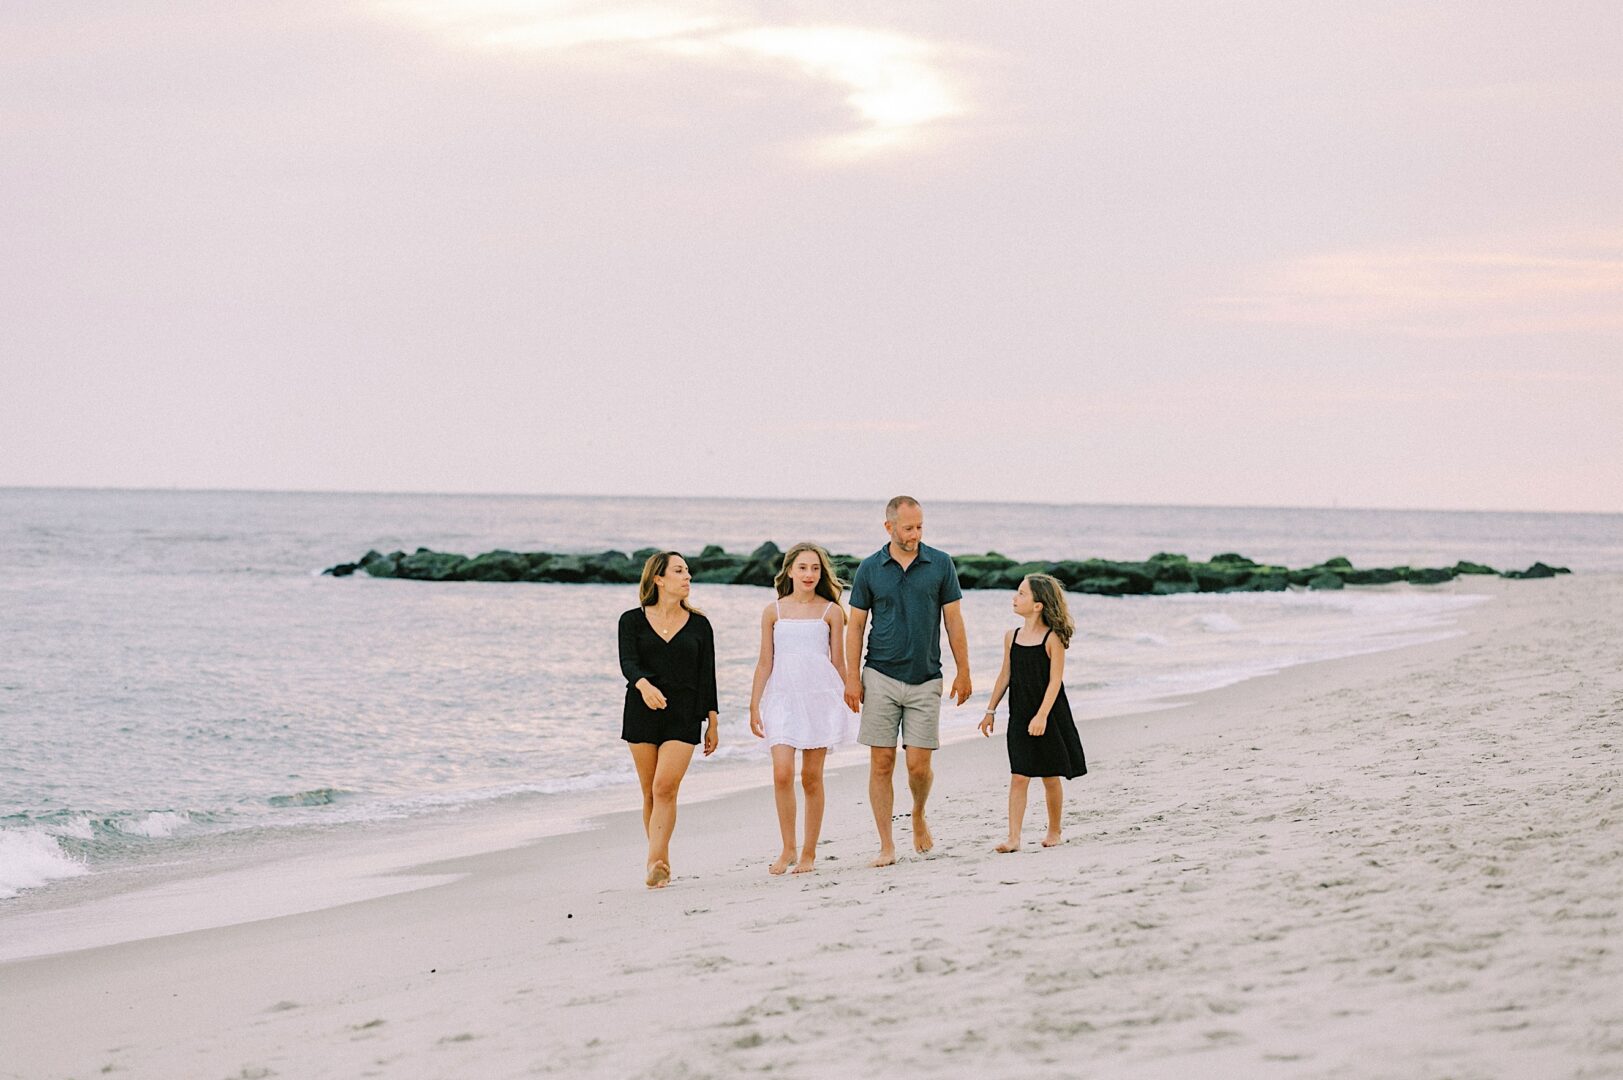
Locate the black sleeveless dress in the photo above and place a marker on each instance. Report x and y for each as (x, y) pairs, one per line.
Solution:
(1058, 750)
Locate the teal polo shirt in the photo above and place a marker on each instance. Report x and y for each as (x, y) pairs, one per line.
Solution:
(904, 635)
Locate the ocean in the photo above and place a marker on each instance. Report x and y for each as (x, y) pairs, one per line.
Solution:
(175, 673)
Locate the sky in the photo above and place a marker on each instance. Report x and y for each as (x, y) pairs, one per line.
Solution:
(1291, 254)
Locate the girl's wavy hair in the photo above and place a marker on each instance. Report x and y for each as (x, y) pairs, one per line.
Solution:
(1056, 614)
(829, 585)
(647, 591)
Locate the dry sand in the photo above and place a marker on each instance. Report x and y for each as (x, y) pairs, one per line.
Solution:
(1405, 864)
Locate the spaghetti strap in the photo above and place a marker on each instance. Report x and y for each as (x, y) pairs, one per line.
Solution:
(777, 607)
(1044, 641)
(826, 608)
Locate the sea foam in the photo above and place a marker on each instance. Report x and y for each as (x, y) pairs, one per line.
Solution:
(31, 857)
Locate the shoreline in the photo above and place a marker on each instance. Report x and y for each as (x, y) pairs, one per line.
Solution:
(246, 872)
(1377, 864)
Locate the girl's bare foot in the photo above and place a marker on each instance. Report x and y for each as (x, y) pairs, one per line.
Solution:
(806, 864)
(659, 874)
(1007, 846)
(1053, 839)
(784, 862)
(886, 857)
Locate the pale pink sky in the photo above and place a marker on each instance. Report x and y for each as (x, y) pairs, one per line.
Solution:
(1292, 253)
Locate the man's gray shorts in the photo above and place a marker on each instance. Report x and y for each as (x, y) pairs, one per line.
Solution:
(891, 707)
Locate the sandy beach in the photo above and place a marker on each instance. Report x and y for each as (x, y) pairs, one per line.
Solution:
(1403, 864)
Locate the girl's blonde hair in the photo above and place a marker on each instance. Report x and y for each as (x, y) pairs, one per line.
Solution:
(1056, 614)
(657, 564)
(829, 585)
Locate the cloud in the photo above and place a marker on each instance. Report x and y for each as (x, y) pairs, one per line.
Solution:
(1554, 285)
(894, 85)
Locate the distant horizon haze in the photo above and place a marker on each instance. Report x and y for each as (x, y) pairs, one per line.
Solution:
(878, 500)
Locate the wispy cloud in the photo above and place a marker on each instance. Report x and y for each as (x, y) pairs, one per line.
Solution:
(1445, 290)
(896, 86)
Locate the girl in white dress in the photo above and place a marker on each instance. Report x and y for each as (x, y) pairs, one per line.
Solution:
(798, 701)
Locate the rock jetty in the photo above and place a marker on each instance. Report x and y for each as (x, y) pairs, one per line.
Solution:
(1159, 574)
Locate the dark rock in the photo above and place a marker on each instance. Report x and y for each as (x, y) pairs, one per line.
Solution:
(612, 568)
(570, 569)
(495, 566)
(715, 566)
(1537, 570)
(974, 569)
(385, 566)
(1267, 579)
(1379, 576)
(1162, 573)
(426, 565)
(1225, 577)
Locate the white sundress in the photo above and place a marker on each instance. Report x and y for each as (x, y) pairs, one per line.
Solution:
(803, 703)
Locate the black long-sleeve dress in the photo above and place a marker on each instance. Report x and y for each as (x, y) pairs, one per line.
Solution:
(683, 669)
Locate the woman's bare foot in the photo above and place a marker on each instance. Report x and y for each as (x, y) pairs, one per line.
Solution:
(784, 862)
(1007, 846)
(886, 857)
(1053, 839)
(659, 874)
(806, 865)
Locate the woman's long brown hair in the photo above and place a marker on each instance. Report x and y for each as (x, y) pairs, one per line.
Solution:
(647, 591)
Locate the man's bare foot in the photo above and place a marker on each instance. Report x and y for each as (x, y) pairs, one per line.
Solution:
(785, 861)
(922, 840)
(806, 865)
(1007, 846)
(886, 857)
(659, 874)
(1053, 839)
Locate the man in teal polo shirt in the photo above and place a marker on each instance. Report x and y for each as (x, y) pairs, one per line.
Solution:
(910, 590)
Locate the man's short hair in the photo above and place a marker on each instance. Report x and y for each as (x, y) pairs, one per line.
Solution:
(895, 505)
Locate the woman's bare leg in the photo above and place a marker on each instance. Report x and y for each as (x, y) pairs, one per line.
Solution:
(672, 765)
(811, 780)
(1017, 812)
(644, 756)
(783, 793)
(1054, 796)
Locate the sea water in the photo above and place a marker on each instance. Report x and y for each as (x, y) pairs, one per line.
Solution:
(174, 671)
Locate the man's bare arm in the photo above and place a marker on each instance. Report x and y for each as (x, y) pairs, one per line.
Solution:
(958, 640)
(854, 629)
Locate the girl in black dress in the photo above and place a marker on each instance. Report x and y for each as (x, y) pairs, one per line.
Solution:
(668, 656)
(1042, 736)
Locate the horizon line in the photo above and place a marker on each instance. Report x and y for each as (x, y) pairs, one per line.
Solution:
(181, 490)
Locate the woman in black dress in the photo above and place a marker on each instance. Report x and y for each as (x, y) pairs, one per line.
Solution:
(668, 656)
(1042, 736)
